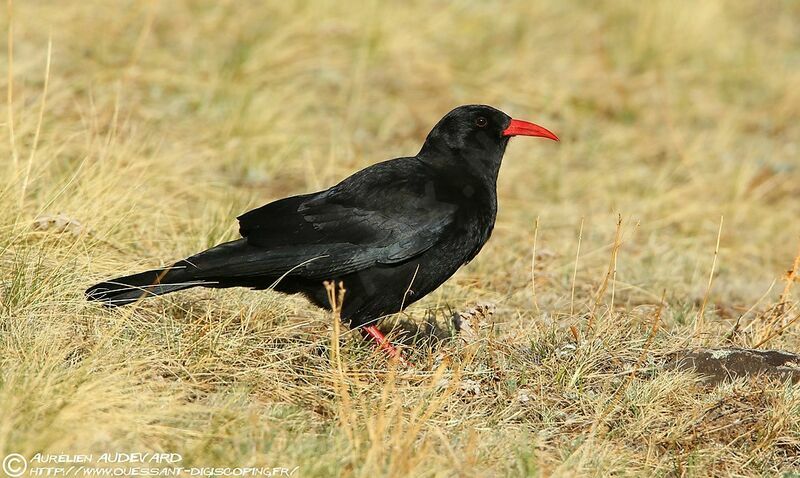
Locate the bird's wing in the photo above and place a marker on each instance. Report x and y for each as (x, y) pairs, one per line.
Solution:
(384, 217)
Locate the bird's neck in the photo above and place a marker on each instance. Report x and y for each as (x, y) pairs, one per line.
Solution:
(474, 167)
(464, 184)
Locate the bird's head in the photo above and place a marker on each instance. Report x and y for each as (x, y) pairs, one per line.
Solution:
(477, 134)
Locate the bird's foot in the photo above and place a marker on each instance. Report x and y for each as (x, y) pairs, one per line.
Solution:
(384, 344)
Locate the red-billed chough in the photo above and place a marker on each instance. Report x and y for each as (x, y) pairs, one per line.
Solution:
(391, 233)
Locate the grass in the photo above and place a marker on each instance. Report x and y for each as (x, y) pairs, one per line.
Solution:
(163, 120)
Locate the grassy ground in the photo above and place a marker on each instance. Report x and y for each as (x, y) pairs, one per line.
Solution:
(163, 120)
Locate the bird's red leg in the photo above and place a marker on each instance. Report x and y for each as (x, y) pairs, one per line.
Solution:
(385, 345)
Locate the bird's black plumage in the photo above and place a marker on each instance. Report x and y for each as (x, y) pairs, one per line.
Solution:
(391, 233)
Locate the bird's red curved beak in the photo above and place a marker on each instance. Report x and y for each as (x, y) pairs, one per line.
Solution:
(523, 128)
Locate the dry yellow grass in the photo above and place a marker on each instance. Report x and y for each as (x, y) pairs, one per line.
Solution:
(163, 120)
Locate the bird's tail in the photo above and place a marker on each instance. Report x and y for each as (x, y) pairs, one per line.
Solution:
(128, 289)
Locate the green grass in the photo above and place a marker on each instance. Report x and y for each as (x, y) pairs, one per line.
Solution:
(164, 120)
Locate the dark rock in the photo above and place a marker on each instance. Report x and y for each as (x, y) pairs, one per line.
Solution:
(719, 365)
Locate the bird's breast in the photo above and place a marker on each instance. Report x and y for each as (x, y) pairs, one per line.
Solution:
(473, 228)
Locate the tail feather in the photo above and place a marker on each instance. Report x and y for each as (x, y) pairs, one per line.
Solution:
(230, 264)
(128, 289)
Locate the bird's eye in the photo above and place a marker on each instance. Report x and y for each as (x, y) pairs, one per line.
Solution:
(481, 122)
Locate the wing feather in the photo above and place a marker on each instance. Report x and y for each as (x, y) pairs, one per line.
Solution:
(379, 218)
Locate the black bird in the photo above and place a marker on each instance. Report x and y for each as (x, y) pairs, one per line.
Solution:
(392, 233)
